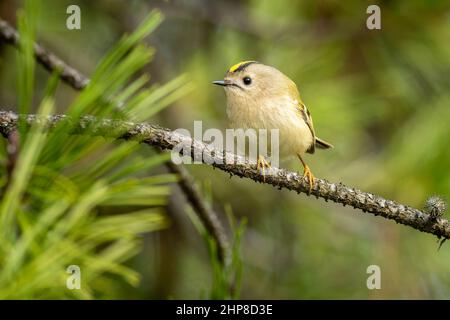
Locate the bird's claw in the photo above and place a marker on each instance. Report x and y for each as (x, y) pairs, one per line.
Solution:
(262, 164)
(310, 177)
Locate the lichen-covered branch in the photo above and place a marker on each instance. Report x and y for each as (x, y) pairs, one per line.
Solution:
(166, 139)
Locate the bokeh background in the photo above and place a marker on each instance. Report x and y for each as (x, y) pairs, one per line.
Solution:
(380, 96)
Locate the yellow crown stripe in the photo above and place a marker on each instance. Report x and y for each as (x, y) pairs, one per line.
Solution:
(237, 65)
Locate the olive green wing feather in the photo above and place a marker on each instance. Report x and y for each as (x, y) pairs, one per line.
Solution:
(319, 143)
(306, 116)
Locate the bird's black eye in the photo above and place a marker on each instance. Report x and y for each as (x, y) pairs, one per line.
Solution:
(247, 80)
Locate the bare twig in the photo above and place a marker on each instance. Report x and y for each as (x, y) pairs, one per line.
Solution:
(79, 81)
(204, 211)
(47, 59)
(166, 139)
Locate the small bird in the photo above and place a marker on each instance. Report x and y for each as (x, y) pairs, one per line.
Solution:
(262, 97)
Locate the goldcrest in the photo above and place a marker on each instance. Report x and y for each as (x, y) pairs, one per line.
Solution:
(262, 97)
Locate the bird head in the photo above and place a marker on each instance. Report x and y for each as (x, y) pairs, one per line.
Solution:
(251, 81)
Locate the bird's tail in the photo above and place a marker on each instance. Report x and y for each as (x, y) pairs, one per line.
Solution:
(322, 144)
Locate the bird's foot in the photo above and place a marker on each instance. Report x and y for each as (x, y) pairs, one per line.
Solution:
(309, 176)
(262, 164)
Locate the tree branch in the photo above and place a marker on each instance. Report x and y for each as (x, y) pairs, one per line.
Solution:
(50, 62)
(204, 211)
(78, 81)
(165, 139)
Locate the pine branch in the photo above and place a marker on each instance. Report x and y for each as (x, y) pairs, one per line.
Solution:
(78, 81)
(165, 139)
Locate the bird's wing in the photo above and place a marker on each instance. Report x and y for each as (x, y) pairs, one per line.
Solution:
(306, 116)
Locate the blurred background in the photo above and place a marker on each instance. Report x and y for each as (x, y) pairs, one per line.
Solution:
(380, 96)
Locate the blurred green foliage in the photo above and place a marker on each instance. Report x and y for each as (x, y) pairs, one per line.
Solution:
(52, 213)
(380, 96)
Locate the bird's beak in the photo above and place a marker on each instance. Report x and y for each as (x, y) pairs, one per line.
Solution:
(220, 83)
(226, 83)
